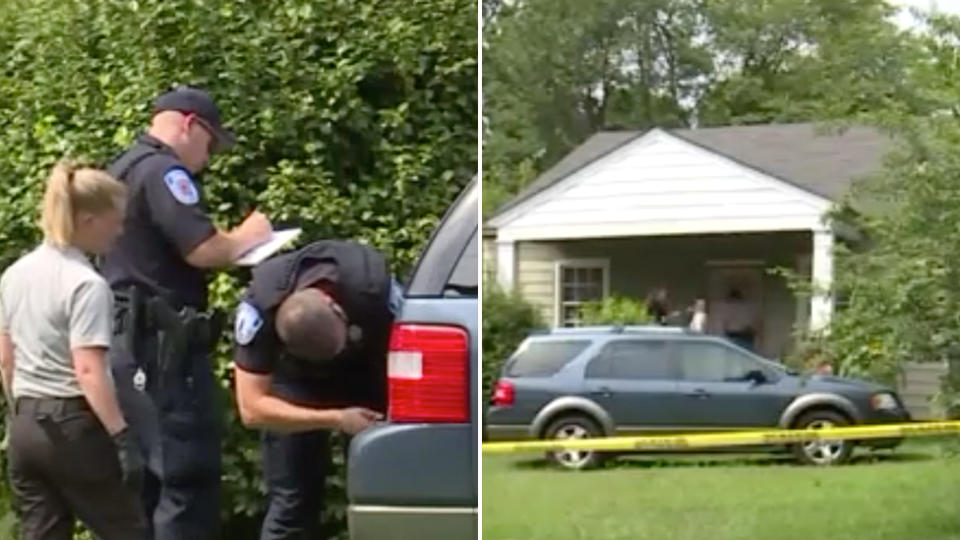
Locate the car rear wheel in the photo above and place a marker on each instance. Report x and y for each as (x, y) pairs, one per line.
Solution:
(573, 427)
(823, 453)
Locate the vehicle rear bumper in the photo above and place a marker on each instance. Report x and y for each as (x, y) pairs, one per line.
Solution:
(415, 465)
(370, 522)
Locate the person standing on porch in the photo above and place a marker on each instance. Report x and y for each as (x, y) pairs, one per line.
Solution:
(698, 323)
(658, 305)
(740, 320)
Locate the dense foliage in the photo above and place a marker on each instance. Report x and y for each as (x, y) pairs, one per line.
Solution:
(622, 64)
(617, 310)
(356, 119)
(507, 320)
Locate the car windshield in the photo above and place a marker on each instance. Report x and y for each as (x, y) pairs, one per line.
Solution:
(776, 366)
(543, 358)
(767, 363)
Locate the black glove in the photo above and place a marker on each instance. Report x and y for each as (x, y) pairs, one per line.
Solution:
(131, 462)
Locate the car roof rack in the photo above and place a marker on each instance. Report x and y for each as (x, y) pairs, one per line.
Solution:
(613, 329)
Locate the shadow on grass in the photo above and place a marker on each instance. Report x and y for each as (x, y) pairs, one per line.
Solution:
(721, 459)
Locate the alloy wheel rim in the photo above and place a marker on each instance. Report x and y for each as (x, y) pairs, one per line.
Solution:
(823, 452)
(573, 459)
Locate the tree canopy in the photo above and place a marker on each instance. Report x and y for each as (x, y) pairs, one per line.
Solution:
(557, 71)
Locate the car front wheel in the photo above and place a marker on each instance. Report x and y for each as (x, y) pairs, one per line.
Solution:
(573, 427)
(826, 452)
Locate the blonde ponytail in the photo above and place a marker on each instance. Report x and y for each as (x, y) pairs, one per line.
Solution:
(73, 188)
(57, 217)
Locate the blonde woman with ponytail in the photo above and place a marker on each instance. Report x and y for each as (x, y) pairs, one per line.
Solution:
(70, 454)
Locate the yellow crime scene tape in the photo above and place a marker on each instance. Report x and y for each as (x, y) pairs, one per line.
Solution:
(726, 438)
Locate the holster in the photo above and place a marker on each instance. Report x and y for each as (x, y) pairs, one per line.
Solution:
(178, 333)
(128, 318)
(181, 333)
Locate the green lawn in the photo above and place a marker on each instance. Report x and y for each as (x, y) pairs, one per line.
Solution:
(913, 493)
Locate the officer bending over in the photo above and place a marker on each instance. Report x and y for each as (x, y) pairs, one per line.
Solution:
(312, 337)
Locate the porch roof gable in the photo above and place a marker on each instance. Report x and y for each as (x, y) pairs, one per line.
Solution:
(806, 156)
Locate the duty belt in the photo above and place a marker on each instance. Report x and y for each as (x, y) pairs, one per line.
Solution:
(178, 332)
(48, 406)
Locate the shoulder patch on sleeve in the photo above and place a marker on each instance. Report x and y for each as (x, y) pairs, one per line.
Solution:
(181, 186)
(395, 302)
(248, 323)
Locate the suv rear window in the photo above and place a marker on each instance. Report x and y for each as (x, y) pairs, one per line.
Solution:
(544, 358)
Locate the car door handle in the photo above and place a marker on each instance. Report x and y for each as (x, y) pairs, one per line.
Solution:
(699, 393)
(603, 391)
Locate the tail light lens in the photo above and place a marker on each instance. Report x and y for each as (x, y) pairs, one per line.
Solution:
(428, 372)
(503, 395)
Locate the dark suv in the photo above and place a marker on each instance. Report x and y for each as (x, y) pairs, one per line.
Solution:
(605, 381)
(415, 477)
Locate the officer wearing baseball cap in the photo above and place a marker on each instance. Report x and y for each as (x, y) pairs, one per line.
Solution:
(164, 333)
(199, 103)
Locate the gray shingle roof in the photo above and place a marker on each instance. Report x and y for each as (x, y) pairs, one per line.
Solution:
(822, 162)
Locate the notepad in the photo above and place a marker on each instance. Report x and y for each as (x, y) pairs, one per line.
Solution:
(261, 251)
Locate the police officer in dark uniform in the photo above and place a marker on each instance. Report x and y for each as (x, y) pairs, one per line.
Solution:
(311, 344)
(158, 271)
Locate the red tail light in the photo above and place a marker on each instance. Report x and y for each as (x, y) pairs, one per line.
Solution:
(503, 394)
(428, 370)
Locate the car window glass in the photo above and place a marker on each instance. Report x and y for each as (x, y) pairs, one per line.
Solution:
(643, 360)
(712, 362)
(434, 272)
(599, 367)
(463, 280)
(544, 358)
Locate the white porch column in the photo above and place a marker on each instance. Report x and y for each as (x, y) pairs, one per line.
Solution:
(821, 302)
(506, 263)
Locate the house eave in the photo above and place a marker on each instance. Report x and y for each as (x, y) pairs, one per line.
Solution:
(663, 228)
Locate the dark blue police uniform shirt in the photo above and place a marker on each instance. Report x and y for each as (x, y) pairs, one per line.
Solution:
(355, 378)
(166, 219)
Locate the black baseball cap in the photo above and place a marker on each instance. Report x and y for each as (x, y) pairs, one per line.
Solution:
(194, 100)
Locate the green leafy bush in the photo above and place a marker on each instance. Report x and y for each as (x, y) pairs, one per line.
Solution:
(615, 310)
(895, 285)
(507, 320)
(897, 292)
(355, 119)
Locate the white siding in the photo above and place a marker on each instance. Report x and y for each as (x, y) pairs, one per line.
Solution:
(489, 260)
(536, 275)
(660, 184)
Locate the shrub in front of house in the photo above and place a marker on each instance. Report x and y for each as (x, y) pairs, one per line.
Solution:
(614, 310)
(507, 320)
(897, 300)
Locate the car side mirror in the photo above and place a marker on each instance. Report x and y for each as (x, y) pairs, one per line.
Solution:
(756, 376)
